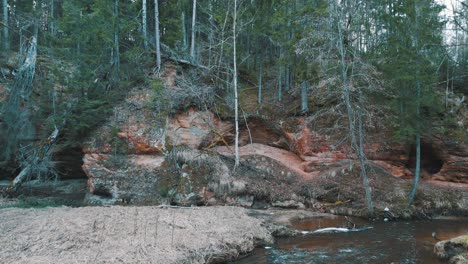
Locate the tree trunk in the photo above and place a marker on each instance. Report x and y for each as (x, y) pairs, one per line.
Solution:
(35, 165)
(418, 114)
(260, 73)
(247, 50)
(304, 98)
(115, 78)
(236, 99)
(221, 47)
(357, 147)
(184, 34)
(417, 172)
(280, 84)
(6, 40)
(363, 162)
(211, 33)
(17, 119)
(192, 45)
(144, 25)
(52, 27)
(157, 36)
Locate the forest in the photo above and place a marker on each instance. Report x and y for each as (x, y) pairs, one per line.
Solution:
(395, 64)
(360, 75)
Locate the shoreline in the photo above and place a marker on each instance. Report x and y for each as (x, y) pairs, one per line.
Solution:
(150, 234)
(129, 234)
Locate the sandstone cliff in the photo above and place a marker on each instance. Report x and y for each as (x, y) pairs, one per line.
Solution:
(186, 158)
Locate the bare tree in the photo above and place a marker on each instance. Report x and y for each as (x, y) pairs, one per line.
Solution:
(144, 24)
(348, 77)
(17, 119)
(280, 83)
(260, 75)
(184, 33)
(157, 35)
(236, 98)
(304, 98)
(6, 40)
(343, 22)
(115, 58)
(36, 161)
(192, 45)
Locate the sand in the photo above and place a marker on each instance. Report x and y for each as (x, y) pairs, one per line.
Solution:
(125, 234)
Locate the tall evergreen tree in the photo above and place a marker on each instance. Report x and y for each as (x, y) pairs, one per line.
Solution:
(412, 56)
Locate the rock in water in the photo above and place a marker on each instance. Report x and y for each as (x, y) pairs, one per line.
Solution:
(455, 250)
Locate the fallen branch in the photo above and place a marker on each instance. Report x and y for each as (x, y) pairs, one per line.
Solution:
(176, 207)
(337, 203)
(336, 230)
(173, 56)
(182, 61)
(35, 162)
(220, 139)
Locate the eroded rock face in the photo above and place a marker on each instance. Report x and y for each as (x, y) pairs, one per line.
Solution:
(126, 160)
(455, 161)
(133, 129)
(138, 157)
(198, 129)
(130, 178)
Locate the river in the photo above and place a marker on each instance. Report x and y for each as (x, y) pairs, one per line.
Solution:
(386, 242)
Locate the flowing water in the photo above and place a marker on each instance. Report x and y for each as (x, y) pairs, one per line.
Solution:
(391, 242)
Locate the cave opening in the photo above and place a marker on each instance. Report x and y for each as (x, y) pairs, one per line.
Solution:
(431, 161)
(69, 163)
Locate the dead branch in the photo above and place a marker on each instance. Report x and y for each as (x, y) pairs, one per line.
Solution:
(36, 161)
(219, 140)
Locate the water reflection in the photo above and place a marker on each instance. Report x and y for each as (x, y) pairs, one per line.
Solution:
(392, 242)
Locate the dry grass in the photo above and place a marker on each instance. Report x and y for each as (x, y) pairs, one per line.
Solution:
(127, 235)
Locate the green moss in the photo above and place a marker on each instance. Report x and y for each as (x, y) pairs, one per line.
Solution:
(164, 191)
(115, 131)
(157, 86)
(36, 202)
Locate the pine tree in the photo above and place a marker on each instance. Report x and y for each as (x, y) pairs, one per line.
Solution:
(413, 43)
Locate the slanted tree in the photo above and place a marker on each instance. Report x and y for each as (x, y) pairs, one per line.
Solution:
(16, 110)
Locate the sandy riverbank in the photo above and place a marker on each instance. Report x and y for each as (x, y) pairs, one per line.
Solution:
(120, 234)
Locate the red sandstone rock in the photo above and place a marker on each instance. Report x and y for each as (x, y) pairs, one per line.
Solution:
(395, 170)
(91, 162)
(140, 145)
(299, 150)
(307, 143)
(197, 129)
(288, 159)
(455, 161)
(388, 151)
